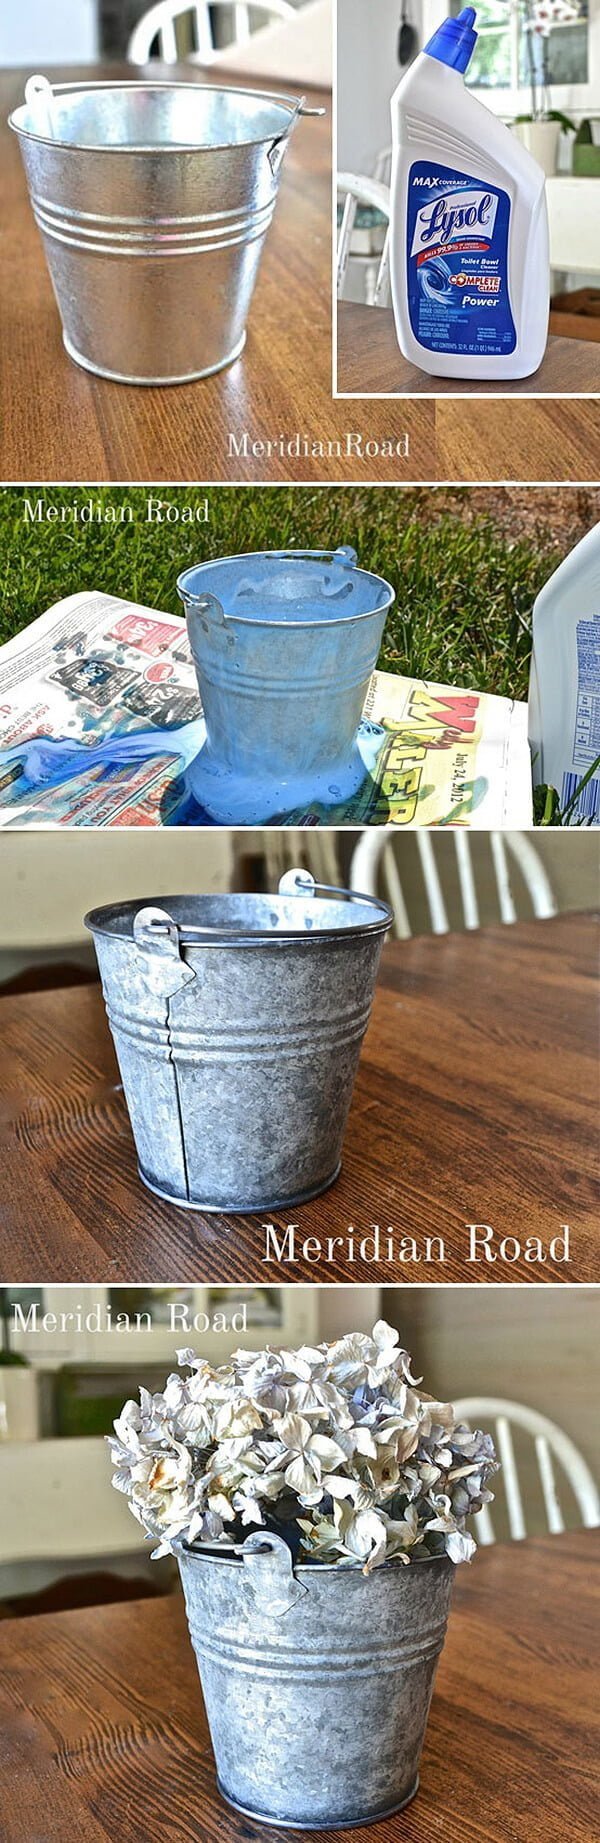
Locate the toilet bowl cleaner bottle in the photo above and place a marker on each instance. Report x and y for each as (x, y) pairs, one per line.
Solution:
(469, 229)
(564, 689)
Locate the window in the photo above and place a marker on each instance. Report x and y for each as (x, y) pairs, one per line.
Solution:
(500, 69)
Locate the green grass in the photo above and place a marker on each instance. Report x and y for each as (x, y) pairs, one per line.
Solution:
(465, 582)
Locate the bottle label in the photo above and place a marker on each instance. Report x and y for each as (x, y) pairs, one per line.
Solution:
(586, 737)
(457, 257)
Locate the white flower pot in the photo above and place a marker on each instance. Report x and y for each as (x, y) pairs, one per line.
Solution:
(541, 139)
(19, 1409)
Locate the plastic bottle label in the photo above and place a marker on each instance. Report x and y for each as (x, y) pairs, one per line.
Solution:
(457, 259)
(586, 739)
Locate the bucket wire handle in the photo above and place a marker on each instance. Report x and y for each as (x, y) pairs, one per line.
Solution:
(302, 883)
(39, 96)
(155, 929)
(278, 147)
(344, 555)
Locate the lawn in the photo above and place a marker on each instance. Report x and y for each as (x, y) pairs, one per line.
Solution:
(466, 563)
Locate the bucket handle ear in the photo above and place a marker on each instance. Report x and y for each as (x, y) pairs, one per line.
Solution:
(155, 929)
(207, 611)
(270, 1571)
(277, 149)
(39, 96)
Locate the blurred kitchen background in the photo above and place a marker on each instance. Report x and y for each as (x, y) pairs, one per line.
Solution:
(50, 879)
(68, 1539)
(290, 39)
(533, 58)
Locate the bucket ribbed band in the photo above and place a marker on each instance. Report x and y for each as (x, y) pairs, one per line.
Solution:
(190, 236)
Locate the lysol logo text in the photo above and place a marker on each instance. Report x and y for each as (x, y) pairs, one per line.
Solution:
(456, 215)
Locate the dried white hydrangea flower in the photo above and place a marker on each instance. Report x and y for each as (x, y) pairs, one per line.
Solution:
(336, 1448)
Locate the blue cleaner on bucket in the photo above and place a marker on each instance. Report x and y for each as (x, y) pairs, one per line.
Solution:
(469, 230)
(564, 689)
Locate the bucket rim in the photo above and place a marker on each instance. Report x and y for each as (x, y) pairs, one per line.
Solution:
(98, 921)
(339, 1569)
(285, 101)
(256, 620)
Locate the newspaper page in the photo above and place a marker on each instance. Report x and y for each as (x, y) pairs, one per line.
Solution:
(100, 719)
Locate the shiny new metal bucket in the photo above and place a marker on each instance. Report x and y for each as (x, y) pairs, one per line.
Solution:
(237, 1022)
(153, 200)
(284, 644)
(317, 1679)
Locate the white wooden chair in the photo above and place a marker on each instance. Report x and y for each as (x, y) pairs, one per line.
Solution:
(159, 25)
(354, 190)
(553, 1450)
(382, 168)
(376, 869)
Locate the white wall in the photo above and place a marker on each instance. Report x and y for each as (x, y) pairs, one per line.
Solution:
(368, 71)
(34, 33)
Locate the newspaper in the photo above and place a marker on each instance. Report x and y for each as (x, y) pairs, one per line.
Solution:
(100, 719)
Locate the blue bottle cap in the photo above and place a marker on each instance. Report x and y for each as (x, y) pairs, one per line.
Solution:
(455, 40)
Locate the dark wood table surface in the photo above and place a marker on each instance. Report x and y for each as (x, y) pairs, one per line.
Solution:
(369, 359)
(61, 423)
(476, 1102)
(103, 1737)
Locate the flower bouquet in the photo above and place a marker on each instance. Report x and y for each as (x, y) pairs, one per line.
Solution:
(316, 1500)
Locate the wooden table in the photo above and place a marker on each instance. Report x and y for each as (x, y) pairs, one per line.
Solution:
(61, 423)
(103, 1737)
(369, 359)
(475, 1103)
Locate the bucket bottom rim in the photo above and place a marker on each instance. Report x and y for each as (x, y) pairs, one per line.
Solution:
(242, 1209)
(346, 1823)
(120, 377)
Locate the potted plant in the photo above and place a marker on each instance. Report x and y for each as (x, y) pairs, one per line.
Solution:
(540, 130)
(18, 1384)
(316, 1500)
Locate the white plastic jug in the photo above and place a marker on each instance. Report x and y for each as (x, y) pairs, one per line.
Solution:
(469, 229)
(564, 689)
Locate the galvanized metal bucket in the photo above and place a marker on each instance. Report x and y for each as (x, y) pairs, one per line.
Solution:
(237, 1022)
(317, 1679)
(153, 200)
(284, 644)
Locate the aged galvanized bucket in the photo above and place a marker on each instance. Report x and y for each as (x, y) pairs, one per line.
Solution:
(317, 1679)
(153, 200)
(237, 1022)
(284, 644)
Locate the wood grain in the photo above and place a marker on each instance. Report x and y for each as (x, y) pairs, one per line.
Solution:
(60, 423)
(369, 359)
(488, 438)
(104, 1737)
(517, 440)
(475, 1102)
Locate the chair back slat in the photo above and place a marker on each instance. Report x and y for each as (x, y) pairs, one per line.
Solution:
(514, 1501)
(363, 191)
(438, 913)
(242, 23)
(159, 23)
(167, 41)
(383, 286)
(395, 897)
(484, 1528)
(468, 893)
(346, 229)
(549, 1487)
(506, 903)
(382, 860)
(552, 1447)
(203, 31)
